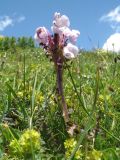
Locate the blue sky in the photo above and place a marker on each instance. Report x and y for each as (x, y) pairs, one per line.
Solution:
(90, 17)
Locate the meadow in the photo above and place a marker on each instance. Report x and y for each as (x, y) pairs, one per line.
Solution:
(31, 123)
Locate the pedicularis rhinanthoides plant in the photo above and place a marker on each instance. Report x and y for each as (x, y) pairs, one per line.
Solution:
(60, 46)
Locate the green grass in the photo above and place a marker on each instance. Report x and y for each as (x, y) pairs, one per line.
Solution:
(28, 101)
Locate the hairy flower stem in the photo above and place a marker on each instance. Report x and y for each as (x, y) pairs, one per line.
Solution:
(58, 61)
(60, 92)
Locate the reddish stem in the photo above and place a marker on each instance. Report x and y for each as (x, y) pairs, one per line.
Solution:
(59, 71)
(58, 61)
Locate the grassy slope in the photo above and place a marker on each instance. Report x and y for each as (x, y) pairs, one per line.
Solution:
(97, 80)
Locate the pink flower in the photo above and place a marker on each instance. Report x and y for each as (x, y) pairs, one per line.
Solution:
(74, 35)
(70, 51)
(66, 32)
(42, 35)
(57, 29)
(59, 23)
(71, 35)
(56, 15)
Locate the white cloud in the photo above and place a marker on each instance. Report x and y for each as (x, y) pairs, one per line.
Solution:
(20, 19)
(112, 16)
(5, 22)
(112, 43)
(115, 27)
